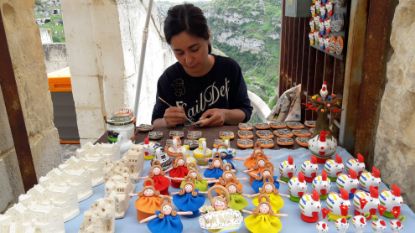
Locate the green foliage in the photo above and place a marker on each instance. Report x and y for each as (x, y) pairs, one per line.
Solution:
(261, 70)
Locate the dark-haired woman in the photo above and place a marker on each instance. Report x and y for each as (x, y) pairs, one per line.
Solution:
(201, 87)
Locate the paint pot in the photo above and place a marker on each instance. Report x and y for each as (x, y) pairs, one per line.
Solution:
(120, 124)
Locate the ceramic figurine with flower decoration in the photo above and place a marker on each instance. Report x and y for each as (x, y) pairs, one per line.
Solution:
(378, 226)
(391, 202)
(287, 169)
(359, 223)
(323, 144)
(202, 152)
(322, 227)
(370, 179)
(338, 205)
(297, 186)
(263, 218)
(358, 165)
(334, 167)
(275, 198)
(348, 182)
(342, 225)
(309, 169)
(322, 185)
(166, 219)
(366, 204)
(396, 225)
(310, 207)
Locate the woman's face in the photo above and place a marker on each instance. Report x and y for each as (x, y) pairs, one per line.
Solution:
(232, 189)
(268, 188)
(192, 53)
(148, 192)
(219, 204)
(156, 171)
(188, 188)
(263, 208)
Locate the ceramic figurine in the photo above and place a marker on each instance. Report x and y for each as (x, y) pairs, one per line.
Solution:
(311, 38)
(310, 206)
(100, 217)
(342, 225)
(114, 167)
(334, 167)
(322, 185)
(323, 12)
(378, 226)
(297, 187)
(287, 169)
(219, 217)
(179, 170)
(368, 179)
(391, 202)
(316, 37)
(366, 204)
(338, 205)
(327, 40)
(309, 169)
(323, 146)
(348, 182)
(134, 159)
(119, 187)
(189, 199)
(358, 165)
(322, 227)
(257, 153)
(160, 157)
(202, 152)
(359, 223)
(188, 154)
(396, 225)
(263, 218)
(313, 11)
(148, 200)
(176, 148)
(166, 219)
(275, 198)
(148, 155)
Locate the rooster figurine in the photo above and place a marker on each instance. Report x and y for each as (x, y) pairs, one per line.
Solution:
(323, 91)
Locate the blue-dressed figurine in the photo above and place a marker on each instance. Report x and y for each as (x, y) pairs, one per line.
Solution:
(214, 169)
(189, 199)
(166, 219)
(265, 175)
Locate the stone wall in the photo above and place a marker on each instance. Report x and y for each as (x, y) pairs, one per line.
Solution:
(395, 147)
(56, 57)
(27, 57)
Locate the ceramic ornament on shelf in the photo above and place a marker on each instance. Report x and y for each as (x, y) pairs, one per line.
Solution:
(342, 225)
(297, 186)
(370, 179)
(334, 167)
(322, 227)
(322, 185)
(358, 165)
(338, 205)
(391, 202)
(350, 182)
(202, 153)
(287, 169)
(378, 226)
(396, 225)
(366, 203)
(310, 207)
(359, 223)
(309, 169)
(323, 144)
(100, 217)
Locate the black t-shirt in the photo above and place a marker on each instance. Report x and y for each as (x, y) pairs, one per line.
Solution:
(222, 87)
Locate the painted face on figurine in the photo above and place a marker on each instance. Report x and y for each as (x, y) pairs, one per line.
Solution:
(167, 209)
(268, 188)
(216, 163)
(180, 162)
(188, 188)
(266, 174)
(261, 163)
(228, 176)
(156, 171)
(148, 192)
(219, 204)
(264, 208)
(193, 174)
(232, 189)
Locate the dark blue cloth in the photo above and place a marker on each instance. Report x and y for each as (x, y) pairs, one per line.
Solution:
(188, 202)
(257, 184)
(169, 223)
(213, 173)
(222, 87)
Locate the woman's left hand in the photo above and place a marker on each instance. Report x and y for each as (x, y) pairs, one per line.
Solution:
(213, 117)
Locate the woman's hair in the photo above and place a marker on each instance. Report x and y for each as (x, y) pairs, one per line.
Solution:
(186, 17)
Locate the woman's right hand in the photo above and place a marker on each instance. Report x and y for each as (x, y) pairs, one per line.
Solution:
(174, 116)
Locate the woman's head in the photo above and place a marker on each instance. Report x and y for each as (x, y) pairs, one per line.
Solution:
(186, 31)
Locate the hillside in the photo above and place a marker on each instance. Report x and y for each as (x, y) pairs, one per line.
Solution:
(249, 32)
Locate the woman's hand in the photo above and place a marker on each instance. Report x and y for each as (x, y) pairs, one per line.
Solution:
(174, 116)
(213, 117)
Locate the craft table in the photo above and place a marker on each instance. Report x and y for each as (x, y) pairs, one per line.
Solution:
(291, 224)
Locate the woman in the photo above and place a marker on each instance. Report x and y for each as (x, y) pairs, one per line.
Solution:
(200, 87)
